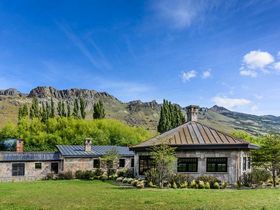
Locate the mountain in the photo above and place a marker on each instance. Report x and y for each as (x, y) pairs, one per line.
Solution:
(136, 113)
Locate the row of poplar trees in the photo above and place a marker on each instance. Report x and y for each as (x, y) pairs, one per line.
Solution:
(170, 117)
(46, 110)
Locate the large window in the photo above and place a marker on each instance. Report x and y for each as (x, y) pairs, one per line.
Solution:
(145, 163)
(121, 163)
(18, 169)
(187, 164)
(216, 165)
(96, 163)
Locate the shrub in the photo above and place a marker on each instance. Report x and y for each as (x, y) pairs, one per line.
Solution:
(113, 177)
(201, 185)
(210, 179)
(140, 184)
(111, 171)
(150, 184)
(134, 182)
(238, 184)
(124, 180)
(180, 178)
(119, 179)
(184, 185)
(88, 175)
(193, 184)
(66, 175)
(260, 175)
(98, 172)
(207, 185)
(129, 180)
(224, 185)
(174, 185)
(151, 176)
(50, 176)
(104, 177)
(216, 185)
(246, 179)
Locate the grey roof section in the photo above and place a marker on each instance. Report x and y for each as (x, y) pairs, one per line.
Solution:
(29, 156)
(96, 151)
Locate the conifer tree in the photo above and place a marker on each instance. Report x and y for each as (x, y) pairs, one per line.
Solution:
(82, 108)
(98, 110)
(34, 109)
(76, 108)
(59, 109)
(63, 111)
(68, 110)
(22, 112)
(52, 109)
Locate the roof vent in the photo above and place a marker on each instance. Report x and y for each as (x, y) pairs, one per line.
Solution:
(192, 113)
(88, 144)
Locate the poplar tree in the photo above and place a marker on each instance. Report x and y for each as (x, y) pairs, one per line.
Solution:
(22, 112)
(68, 110)
(59, 108)
(82, 108)
(52, 109)
(76, 108)
(98, 110)
(63, 111)
(34, 109)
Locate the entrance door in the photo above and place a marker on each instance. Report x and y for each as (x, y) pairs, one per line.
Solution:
(54, 167)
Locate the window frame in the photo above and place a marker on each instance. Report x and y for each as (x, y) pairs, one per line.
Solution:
(249, 163)
(244, 163)
(215, 164)
(122, 164)
(98, 164)
(17, 172)
(188, 164)
(36, 164)
(145, 163)
(132, 163)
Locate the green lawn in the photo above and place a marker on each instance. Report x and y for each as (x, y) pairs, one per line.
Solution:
(104, 195)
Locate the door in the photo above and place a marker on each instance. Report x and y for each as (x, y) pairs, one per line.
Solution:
(54, 168)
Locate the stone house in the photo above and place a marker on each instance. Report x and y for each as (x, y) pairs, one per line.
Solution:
(200, 150)
(20, 165)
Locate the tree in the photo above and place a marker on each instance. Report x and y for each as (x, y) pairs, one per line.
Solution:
(22, 112)
(76, 108)
(52, 108)
(268, 156)
(163, 157)
(98, 110)
(59, 108)
(63, 111)
(68, 110)
(34, 109)
(82, 108)
(110, 158)
(170, 117)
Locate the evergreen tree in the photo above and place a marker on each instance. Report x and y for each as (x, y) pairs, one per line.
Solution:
(98, 110)
(34, 109)
(63, 111)
(44, 114)
(170, 117)
(52, 109)
(76, 108)
(22, 112)
(48, 110)
(68, 110)
(59, 109)
(82, 108)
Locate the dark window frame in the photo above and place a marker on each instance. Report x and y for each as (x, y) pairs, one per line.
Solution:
(217, 164)
(122, 163)
(18, 169)
(38, 166)
(145, 163)
(249, 163)
(187, 164)
(244, 166)
(96, 163)
(132, 163)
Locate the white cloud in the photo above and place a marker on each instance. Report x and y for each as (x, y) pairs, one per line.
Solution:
(230, 102)
(277, 66)
(254, 108)
(250, 73)
(257, 59)
(206, 74)
(187, 75)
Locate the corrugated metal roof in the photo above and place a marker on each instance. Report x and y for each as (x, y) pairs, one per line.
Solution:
(192, 133)
(79, 150)
(29, 156)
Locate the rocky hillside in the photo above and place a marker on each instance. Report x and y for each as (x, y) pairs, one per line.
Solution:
(138, 113)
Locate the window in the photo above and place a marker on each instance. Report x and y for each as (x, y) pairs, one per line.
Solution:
(249, 162)
(216, 165)
(54, 167)
(145, 163)
(18, 169)
(132, 163)
(121, 163)
(38, 165)
(244, 163)
(96, 163)
(187, 164)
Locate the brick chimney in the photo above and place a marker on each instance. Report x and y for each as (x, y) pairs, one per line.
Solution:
(19, 145)
(192, 113)
(88, 145)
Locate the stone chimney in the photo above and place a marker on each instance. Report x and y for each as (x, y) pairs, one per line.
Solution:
(192, 113)
(88, 145)
(19, 145)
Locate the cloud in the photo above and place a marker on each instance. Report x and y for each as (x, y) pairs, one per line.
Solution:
(187, 75)
(206, 74)
(277, 66)
(254, 61)
(230, 102)
(254, 108)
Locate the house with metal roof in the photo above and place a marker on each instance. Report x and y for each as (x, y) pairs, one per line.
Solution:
(200, 150)
(20, 165)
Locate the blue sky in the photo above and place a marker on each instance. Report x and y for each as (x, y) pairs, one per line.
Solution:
(188, 51)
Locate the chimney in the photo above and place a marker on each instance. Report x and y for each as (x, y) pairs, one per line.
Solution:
(192, 113)
(19, 145)
(88, 144)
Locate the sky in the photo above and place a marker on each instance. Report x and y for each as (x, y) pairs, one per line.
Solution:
(202, 52)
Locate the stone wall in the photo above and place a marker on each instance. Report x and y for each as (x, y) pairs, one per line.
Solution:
(234, 170)
(30, 172)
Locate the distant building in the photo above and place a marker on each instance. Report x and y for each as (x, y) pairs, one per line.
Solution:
(200, 150)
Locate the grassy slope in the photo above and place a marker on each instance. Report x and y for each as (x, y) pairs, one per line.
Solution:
(99, 195)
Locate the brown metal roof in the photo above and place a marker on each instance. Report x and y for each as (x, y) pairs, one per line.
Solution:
(192, 133)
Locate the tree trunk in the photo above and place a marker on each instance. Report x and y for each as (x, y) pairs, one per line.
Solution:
(273, 177)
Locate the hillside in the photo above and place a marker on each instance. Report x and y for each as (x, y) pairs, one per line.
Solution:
(137, 113)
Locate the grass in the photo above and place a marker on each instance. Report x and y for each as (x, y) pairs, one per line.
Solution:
(76, 194)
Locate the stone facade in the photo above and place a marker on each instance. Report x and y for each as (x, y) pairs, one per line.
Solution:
(234, 164)
(30, 172)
